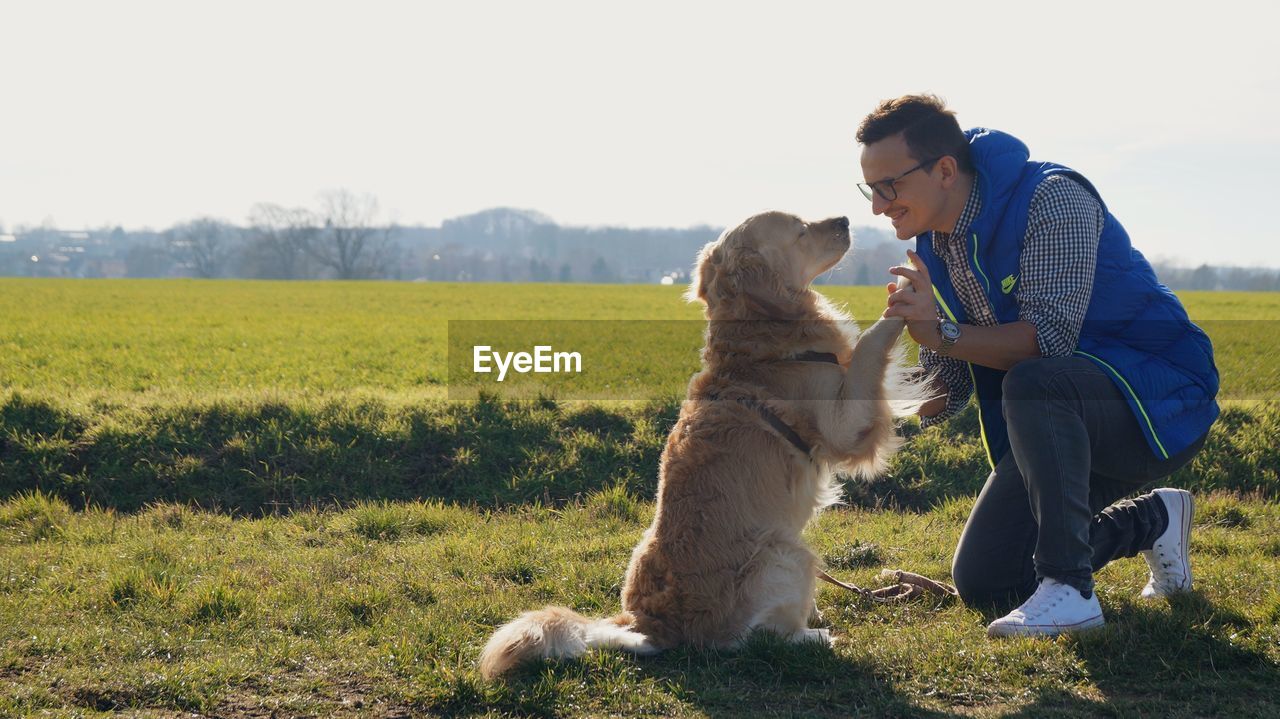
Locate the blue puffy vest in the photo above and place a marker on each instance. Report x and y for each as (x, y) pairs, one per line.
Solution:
(1135, 329)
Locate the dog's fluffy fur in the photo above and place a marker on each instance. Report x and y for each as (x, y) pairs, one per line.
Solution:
(724, 555)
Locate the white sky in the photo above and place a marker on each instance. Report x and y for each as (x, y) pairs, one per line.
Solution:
(644, 114)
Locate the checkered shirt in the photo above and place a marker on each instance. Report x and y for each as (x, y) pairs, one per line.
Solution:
(1055, 277)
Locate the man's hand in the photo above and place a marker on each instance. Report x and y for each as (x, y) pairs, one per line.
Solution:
(915, 303)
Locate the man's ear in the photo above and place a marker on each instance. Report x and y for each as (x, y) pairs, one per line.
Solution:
(950, 170)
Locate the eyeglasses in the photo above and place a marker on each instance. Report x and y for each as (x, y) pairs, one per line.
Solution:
(885, 188)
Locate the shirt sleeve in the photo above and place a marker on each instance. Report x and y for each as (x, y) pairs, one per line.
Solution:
(1059, 256)
(955, 375)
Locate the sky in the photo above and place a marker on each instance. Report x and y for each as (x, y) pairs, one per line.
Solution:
(670, 114)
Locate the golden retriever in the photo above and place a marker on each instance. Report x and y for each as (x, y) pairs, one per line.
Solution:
(766, 424)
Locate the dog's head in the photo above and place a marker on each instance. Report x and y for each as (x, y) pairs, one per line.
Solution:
(762, 268)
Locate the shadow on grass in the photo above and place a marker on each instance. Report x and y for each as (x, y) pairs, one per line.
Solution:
(264, 455)
(772, 678)
(766, 678)
(261, 457)
(1191, 659)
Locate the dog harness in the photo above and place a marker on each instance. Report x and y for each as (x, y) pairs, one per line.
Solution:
(771, 417)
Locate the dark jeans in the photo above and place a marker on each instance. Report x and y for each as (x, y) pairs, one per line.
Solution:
(1050, 507)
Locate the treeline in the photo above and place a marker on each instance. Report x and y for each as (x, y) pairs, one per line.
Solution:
(1209, 277)
(345, 237)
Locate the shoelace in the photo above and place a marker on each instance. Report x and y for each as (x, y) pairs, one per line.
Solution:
(1039, 603)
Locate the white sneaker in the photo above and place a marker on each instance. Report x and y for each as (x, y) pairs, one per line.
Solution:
(1168, 560)
(1054, 608)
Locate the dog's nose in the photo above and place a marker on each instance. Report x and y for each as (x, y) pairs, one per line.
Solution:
(842, 223)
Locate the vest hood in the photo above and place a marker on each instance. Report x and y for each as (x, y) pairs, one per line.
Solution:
(999, 158)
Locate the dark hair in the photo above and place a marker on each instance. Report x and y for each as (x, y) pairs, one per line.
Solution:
(929, 128)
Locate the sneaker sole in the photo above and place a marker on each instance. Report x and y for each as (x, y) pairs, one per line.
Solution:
(1190, 507)
(1044, 630)
(1187, 508)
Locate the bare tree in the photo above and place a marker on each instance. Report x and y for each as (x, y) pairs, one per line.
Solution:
(350, 242)
(279, 238)
(203, 245)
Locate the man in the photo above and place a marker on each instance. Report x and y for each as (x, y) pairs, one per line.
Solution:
(1091, 382)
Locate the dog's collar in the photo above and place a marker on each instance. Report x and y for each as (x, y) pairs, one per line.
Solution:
(811, 356)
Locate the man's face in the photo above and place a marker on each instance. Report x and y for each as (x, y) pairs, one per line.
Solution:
(921, 198)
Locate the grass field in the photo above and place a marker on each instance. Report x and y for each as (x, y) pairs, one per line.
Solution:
(182, 337)
(253, 499)
(380, 610)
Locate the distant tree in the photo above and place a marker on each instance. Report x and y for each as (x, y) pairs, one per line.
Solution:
(349, 241)
(1204, 278)
(539, 271)
(147, 260)
(566, 273)
(600, 271)
(277, 241)
(204, 246)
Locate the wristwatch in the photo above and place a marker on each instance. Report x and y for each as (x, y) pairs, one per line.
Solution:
(949, 332)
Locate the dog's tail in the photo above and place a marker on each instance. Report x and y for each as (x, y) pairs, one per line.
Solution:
(557, 632)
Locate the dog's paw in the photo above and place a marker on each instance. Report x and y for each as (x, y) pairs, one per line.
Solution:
(817, 616)
(822, 636)
(879, 339)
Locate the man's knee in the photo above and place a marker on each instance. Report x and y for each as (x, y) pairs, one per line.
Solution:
(970, 577)
(1035, 378)
(965, 580)
(1031, 386)
(978, 586)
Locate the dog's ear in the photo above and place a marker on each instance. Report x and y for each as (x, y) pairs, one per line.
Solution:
(761, 289)
(707, 273)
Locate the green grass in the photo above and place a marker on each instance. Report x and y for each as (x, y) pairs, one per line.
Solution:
(253, 499)
(176, 337)
(381, 609)
(184, 338)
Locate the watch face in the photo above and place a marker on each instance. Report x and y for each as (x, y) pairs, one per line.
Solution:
(949, 330)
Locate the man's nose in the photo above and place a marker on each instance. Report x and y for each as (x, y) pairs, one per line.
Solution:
(878, 204)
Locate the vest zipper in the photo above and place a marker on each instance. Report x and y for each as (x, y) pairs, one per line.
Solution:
(982, 426)
(978, 266)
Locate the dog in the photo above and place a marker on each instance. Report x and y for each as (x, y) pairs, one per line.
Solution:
(789, 395)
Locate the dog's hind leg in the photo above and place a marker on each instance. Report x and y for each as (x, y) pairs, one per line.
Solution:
(783, 588)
